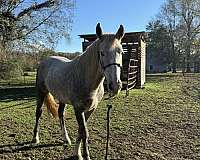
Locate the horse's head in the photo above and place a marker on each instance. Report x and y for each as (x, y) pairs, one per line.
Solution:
(110, 57)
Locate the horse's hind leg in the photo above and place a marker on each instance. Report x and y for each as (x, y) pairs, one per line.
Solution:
(62, 123)
(40, 99)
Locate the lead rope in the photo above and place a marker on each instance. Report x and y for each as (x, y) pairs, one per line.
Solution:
(108, 129)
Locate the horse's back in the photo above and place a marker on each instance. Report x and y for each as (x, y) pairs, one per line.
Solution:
(50, 64)
(58, 59)
(55, 60)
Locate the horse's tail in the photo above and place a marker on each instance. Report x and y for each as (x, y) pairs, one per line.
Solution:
(51, 104)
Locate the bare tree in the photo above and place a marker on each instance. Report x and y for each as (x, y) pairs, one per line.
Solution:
(190, 25)
(183, 20)
(168, 15)
(33, 23)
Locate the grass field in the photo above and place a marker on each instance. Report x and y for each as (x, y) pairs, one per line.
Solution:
(27, 80)
(160, 122)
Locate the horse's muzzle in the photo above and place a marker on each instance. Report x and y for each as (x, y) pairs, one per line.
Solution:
(115, 88)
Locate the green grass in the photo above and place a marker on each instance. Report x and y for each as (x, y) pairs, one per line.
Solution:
(160, 122)
(28, 80)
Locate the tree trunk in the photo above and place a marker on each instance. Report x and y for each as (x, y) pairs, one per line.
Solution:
(174, 56)
(188, 46)
(188, 69)
(183, 66)
(198, 67)
(2, 51)
(174, 67)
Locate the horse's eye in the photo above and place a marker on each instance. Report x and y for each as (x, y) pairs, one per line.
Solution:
(102, 54)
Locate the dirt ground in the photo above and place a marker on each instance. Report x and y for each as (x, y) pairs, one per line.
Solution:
(159, 122)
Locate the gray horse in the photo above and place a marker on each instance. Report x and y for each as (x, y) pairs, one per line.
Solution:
(79, 82)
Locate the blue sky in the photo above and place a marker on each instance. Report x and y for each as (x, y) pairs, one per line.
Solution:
(133, 14)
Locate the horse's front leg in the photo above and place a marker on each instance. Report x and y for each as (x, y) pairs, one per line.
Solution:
(62, 123)
(77, 149)
(83, 134)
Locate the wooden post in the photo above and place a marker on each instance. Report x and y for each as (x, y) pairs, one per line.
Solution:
(139, 64)
(108, 130)
(128, 70)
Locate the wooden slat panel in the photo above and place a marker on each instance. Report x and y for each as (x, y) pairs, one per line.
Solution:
(133, 60)
(129, 84)
(132, 78)
(130, 63)
(133, 66)
(132, 86)
(132, 73)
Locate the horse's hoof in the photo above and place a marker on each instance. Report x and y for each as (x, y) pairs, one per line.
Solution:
(86, 158)
(76, 158)
(67, 140)
(35, 141)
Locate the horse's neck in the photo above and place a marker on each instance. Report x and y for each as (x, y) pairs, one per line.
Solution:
(89, 66)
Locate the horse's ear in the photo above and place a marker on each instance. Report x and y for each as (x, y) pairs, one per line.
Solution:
(120, 33)
(99, 32)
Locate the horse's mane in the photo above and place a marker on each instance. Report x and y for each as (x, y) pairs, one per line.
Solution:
(92, 49)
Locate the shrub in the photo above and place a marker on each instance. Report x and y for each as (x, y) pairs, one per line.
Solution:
(10, 69)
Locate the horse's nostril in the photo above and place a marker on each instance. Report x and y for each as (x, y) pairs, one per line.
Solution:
(110, 86)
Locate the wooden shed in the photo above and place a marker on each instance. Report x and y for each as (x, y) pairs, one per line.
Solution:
(134, 47)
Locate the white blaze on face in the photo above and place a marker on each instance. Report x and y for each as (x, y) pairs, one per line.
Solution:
(113, 72)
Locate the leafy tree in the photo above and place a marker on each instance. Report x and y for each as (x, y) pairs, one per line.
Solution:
(158, 43)
(29, 24)
(10, 69)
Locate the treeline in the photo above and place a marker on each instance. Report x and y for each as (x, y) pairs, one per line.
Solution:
(15, 64)
(28, 28)
(174, 35)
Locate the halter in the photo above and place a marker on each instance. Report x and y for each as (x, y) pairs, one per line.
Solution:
(108, 65)
(111, 64)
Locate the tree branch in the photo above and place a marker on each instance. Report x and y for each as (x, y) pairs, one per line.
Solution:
(14, 7)
(36, 7)
(34, 28)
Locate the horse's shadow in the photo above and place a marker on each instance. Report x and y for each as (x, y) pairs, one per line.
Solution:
(24, 96)
(17, 93)
(25, 146)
